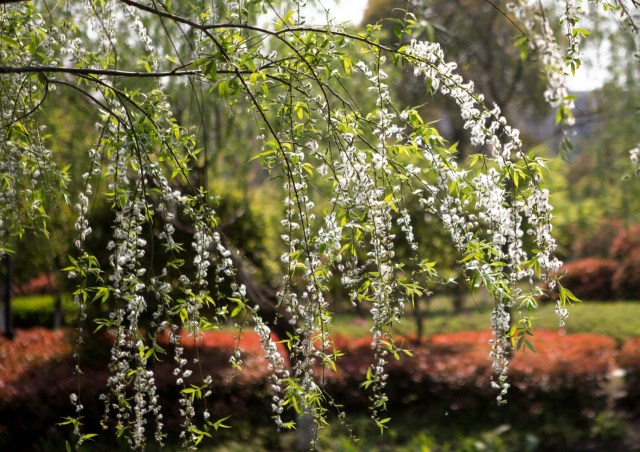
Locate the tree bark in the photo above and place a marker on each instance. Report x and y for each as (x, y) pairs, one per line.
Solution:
(9, 330)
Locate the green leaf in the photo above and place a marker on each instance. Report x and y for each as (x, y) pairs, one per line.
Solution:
(9, 41)
(529, 345)
(220, 423)
(223, 89)
(580, 32)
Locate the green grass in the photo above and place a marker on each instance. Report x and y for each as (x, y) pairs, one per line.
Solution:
(619, 320)
(38, 310)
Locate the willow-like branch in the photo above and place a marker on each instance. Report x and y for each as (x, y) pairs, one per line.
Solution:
(94, 71)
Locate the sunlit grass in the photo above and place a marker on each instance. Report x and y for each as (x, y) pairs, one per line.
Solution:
(619, 320)
(38, 310)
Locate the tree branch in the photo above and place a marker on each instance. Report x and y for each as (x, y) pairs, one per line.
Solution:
(93, 71)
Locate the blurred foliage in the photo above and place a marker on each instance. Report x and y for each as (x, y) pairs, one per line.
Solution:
(593, 189)
(446, 410)
(480, 38)
(590, 278)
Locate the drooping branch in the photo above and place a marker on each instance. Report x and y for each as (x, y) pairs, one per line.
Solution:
(95, 71)
(144, 142)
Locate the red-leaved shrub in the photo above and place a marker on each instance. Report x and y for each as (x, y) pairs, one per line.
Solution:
(579, 362)
(41, 284)
(629, 360)
(587, 240)
(452, 371)
(461, 359)
(29, 348)
(627, 242)
(590, 278)
(626, 279)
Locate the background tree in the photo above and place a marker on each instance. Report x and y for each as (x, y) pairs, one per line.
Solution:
(486, 43)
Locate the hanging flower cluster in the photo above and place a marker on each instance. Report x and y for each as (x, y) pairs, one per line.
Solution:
(28, 171)
(348, 168)
(557, 64)
(499, 211)
(634, 156)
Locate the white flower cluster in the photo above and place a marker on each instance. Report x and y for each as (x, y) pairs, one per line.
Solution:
(307, 310)
(276, 365)
(569, 19)
(501, 212)
(101, 20)
(27, 167)
(543, 41)
(634, 156)
(128, 364)
(500, 348)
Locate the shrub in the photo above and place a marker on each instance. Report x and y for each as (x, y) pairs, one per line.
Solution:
(37, 376)
(590, 278)
(629, 360)
(36, 373)
(27, 349)
(44, 283)
(586, 240)
(626, 279)
(576, 361)
(448, 373)
(562, 384)
(626, 243)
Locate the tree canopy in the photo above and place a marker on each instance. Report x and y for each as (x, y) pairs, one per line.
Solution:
(346, 158)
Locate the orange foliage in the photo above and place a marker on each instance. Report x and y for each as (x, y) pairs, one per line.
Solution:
(29, 348)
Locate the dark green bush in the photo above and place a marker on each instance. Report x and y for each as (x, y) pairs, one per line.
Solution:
(629, 360)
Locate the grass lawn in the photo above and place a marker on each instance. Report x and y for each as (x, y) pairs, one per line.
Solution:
(38, 310)
(619, 319)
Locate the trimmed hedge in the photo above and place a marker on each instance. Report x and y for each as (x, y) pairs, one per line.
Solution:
(626, 243)
(629, 360)
(590, 278)
(595, 278)
(626, 279)
(626, 250)
(449, 373)
(451, 362)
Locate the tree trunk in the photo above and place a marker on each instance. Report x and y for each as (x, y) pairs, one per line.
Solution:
(418, 316)
(306, 431)
(9, 330)
(57, 313)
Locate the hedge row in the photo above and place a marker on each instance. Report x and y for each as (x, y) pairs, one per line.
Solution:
(449, 371)
(615, 276)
